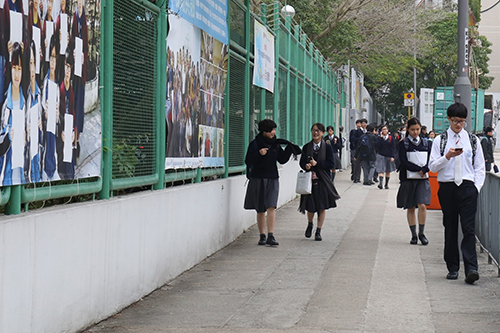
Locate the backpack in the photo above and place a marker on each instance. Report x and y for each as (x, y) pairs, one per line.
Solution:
(365, 146)
(472, 139)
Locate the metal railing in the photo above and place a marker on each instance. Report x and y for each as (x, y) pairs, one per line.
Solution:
(488, 218)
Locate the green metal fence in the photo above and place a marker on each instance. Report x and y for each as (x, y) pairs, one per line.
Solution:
(132, 98)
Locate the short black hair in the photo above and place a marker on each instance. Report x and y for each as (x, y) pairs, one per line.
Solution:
(488, 129)
(413, 121)
(267, 125)
(457, 110)
(358, 121)
(320, 126)
(364, 120)
(329, 127)
(341, 128)
(370, 128)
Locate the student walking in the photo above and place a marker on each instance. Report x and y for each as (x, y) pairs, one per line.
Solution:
(487, 145)
(414, 189)
(459, 161)
(386, 154)
(366, 154)
(336, 144)
(317, 157)
(263, 188)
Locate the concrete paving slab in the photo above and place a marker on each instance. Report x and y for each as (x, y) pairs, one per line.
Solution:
(363, 277)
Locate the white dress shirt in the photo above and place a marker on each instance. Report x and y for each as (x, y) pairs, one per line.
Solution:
(446, 168)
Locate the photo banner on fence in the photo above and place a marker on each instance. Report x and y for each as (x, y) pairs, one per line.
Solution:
(208, 15)
(196, 79)
(50, 126)
(263, 70)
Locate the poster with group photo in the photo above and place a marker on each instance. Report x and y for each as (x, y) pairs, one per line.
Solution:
(50, 121)
(196, 79)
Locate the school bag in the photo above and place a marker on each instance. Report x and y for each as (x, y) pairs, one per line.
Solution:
(472, 139)
(365, 146)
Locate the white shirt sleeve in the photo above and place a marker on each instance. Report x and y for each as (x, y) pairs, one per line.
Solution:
(436, 161)
(479, 167)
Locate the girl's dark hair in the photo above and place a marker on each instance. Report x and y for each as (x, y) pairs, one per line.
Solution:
(329, 127)
(31, 49)
(17, 55)
(457, 110)
(54, 43)
(70, 59)
(320, 126)
(413, 121)
(267, 125)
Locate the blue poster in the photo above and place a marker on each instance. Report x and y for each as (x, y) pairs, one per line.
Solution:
(208, 15)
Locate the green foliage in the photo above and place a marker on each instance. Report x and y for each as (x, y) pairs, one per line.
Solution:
(124, 159)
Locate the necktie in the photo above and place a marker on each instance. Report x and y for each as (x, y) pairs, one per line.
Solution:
(458, 165)
(415, 140)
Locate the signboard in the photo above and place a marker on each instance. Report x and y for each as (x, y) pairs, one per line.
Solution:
(409, 102)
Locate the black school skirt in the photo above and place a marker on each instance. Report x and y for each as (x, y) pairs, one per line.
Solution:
(262, 193)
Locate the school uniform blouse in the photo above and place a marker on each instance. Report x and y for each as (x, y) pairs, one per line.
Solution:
(446, 168)
(407, 165)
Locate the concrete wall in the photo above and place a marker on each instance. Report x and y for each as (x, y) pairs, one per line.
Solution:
(66, 267)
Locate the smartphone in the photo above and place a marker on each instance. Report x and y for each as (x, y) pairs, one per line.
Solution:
(459, 149)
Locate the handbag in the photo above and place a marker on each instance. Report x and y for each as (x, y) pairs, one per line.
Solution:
(495, 168)
(304, 183)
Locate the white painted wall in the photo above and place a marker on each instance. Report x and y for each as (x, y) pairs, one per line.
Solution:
(66, 267)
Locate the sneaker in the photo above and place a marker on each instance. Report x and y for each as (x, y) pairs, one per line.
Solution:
(272, 241)
(262, 240)
(309, 229)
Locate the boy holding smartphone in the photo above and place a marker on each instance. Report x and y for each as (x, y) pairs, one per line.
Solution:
(459, 161)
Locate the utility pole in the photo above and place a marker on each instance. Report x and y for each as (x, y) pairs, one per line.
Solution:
(462, 84)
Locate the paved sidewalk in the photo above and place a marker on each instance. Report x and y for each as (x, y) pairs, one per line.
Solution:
(363, 277)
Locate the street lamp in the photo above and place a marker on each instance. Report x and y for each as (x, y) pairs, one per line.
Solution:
(288, 11)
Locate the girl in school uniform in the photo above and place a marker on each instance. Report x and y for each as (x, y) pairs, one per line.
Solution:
(34, 99)
(386, 154)
(13, 107)
(414, 190)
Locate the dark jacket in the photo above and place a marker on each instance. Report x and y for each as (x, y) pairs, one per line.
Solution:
(264, 166)
(354, 136)
(336, 146)
(387, 147)
(405, 164)
(372, 156)
(487, 145)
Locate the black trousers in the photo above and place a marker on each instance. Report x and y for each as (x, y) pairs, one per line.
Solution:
(459, 201)
(355, 167)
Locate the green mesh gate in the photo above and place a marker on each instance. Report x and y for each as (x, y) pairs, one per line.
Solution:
(134, 90)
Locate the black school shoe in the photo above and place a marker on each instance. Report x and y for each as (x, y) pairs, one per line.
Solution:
(262, 240)
(271, 241)
(472, 276)
(309, 229)
(423, 239)
(414, 240)
(452, 276)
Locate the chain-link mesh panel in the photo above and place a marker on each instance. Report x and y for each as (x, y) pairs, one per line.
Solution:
(282, 133)
(308, 110)
(236, 111)
(134, 90)
(237, 23)
(293, 53)
(300, 61)
(293, 123)
(283, 39)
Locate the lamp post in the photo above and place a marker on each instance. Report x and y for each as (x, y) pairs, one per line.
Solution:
(462, 83)
(288, 11)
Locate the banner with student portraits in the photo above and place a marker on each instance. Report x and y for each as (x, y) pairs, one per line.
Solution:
(263, 70)
(196, 79)
(50, 127)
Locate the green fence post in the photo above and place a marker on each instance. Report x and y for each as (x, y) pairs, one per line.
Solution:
(298, 123)
(288, 21)
(246, 98)
(226, 98)
(276, 22)
(13, 207)
(107, 98)
(161, 97)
